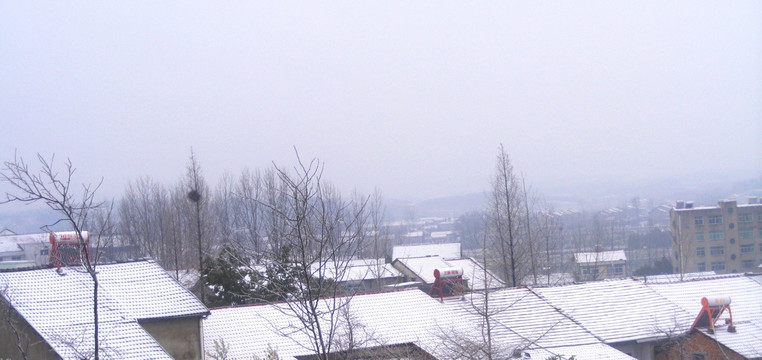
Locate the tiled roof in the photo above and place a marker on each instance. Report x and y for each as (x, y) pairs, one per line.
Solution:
(424, 267)
(145, 290)
(600, 256)
(746, 304)
(522, 320)
(59, 307)
(674, 278)
(451, 250)
(474, 273)
(598, 351)
(408, 316)
(746, 340)
(540, 324)
(355, 270)
(603, 307)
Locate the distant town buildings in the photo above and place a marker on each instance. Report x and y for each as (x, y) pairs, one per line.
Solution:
(19, 251)
(597, 265)
(726, 238)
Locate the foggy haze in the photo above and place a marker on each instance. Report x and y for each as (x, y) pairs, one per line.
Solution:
(412, 98)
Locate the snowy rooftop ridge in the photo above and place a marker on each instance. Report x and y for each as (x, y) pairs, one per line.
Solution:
(59, 306)
(473, 272)
(600, 256)
(408, 316)
(449, 250)
(745, 293)
(603, 306)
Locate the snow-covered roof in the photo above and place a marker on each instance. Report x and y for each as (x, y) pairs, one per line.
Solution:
(542, 332)
(619, 310)
(59, 307)
(441, 234)
(408, 316)
(451, 250)
(746, 340)
(746, 304)
(541, 325)
(552, 279)
(414, 234)
(473, 272)
(599, 256)
(423, 267)
(7, 246)
(358, 270)
(578, 352)
(670, 278)
(26, 238)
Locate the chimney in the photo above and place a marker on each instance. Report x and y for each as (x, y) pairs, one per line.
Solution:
(689, 204)
(753, 200)
(679, 204)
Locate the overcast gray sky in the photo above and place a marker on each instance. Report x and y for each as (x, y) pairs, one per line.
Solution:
(412, 98)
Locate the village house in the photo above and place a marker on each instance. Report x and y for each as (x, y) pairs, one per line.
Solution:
(407, 321)
(742, 296)
(143, 313)
(360, 275)
(598, 265)
(419, 262)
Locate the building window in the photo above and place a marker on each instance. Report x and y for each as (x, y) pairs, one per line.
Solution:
(747, 264)
(700, 251)
(745, 249)
(718, 266)
(44, 252)
(698, 220)
(701, 266)
(698, 356)
(699, 236)
(744, 218)
(1, 258)
(714, 220)
(15, 258)
(717, 250)
(618, 269)
(716, 235)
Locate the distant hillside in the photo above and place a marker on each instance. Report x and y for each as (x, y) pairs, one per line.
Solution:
(450, 206)
(29, 221)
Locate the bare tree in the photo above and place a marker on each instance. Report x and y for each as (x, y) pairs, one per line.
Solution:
(198, 195)
(139, 223)
(548, 229)
(530, 239)
(505, 207)
(56, 190)
(322, 234)
(248, 213)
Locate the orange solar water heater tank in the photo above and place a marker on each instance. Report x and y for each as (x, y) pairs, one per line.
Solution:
(66, 249)
(451, 277)
(712, 307)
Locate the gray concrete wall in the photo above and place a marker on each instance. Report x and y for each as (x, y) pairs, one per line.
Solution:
(180, 337)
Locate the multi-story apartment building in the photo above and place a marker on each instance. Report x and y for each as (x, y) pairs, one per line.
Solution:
(725, 239)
